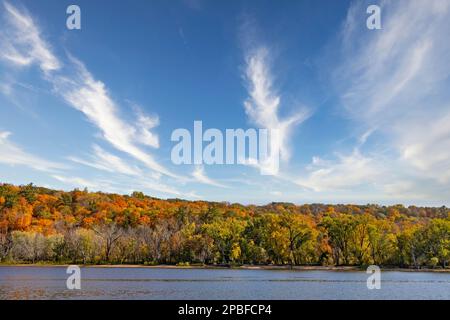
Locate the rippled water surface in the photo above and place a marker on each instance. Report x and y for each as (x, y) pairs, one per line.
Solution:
(155, 283)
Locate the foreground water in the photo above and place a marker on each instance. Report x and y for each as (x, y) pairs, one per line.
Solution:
(159, 283)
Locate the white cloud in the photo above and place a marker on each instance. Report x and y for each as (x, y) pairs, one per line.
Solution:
(144, 124)
(79, 182)
(397, 79)
(133, 175)
(12, 154)
(22, 44)
(393, 83)
(124, 184)
(163, 188)
(347, 172)
(6, 88)
(106, 161)
(263, 104)
(90, 96)
(200, 175)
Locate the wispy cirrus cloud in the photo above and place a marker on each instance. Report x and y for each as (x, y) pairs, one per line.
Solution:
(145, 124)
(23, 45)
(106, 161)
(404, 74)
(200, 175)
(263, 104)
(344, 173)
(394, 84)
(91, 97)
(77, 182)
(163, 188)
(11, 154)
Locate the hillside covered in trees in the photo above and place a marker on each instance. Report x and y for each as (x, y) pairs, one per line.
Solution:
(42, 225)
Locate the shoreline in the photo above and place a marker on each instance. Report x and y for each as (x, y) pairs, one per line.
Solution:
(222, 267)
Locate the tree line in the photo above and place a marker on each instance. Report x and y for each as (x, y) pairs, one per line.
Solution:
(43, 225)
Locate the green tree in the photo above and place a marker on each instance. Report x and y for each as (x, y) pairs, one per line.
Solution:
(226, 235)
(340, 230)
(437, 240)
(298, 234)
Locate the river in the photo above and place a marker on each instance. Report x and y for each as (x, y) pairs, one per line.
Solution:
(166, 283)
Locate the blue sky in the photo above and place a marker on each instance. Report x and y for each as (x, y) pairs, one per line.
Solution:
(364, 112)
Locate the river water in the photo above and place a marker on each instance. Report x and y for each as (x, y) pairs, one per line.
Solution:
(160, 283)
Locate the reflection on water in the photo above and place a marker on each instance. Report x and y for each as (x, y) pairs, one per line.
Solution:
(154, 283)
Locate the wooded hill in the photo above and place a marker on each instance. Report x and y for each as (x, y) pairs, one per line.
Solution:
(43, 225)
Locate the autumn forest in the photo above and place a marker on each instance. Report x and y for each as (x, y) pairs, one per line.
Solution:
(49, 226)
